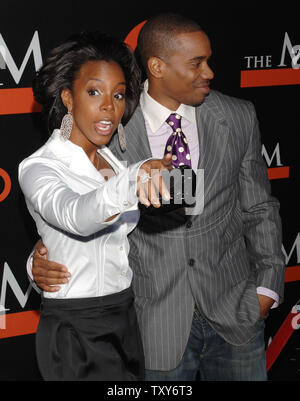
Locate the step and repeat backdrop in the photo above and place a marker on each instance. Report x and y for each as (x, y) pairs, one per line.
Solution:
(256, 56)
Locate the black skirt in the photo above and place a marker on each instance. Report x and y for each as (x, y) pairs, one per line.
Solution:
(90, 339)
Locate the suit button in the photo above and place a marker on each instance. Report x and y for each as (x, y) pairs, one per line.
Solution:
(191, 262)
(189, 224)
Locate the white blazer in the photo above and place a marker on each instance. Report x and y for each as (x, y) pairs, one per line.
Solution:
(70, 201)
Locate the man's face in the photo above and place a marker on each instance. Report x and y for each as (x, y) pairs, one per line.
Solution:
(186, 73)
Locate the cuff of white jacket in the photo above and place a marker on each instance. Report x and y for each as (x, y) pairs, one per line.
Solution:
(120, 193)
(270, 294)
(29, 273)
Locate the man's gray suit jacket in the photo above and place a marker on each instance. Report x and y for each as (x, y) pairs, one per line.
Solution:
(214, 260)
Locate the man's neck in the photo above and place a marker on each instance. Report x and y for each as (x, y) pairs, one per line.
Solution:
(158, 95)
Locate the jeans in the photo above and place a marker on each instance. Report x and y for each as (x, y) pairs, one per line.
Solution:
(209, 357)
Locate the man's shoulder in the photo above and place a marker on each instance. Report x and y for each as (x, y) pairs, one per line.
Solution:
(136, 122)
(137, 116)
(227, 102)
(220, 106)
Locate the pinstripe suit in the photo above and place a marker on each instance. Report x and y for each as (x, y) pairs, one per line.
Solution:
(215, 259)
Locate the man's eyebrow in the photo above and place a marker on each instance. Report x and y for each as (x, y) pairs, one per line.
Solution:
(200, 58)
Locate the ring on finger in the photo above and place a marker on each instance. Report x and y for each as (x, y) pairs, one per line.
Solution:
(145, 178)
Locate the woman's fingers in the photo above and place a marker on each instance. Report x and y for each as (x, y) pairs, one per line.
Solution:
(167, 161)
(143, 193)
(151, 183)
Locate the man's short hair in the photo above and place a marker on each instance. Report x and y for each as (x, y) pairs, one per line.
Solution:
(156, 38)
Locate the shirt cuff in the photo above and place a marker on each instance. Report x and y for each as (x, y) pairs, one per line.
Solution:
(29, 273)
(270, 294)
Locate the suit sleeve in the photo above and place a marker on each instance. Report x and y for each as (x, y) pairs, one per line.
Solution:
(262, 223)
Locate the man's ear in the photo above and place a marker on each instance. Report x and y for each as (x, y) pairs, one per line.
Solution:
(156, 67)
(67, 99)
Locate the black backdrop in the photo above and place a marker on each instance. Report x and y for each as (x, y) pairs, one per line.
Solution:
(259, 41)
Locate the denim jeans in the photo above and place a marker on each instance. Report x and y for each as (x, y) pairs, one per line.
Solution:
(209, 357)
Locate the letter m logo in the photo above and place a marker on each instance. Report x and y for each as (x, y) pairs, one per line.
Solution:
(296, 246)
(275, 154)
(6, 58)
(9, 278)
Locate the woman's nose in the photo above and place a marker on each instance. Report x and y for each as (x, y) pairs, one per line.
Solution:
(107, 103)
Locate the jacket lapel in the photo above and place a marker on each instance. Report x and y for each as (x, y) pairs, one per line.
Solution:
(212, 140)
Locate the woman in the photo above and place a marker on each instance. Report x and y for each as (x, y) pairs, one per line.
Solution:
(84, 203)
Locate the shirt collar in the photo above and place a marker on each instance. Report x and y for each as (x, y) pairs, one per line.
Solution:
(76, 159)
(156, 114)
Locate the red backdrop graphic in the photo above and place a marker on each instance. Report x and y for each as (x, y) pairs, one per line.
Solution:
(6, 184)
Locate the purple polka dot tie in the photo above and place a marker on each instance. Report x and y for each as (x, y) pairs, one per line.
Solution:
(177, 144)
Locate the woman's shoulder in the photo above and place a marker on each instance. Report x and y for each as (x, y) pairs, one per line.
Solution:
(53, 152)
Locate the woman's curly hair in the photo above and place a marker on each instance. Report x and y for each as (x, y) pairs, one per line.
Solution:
(64, 62)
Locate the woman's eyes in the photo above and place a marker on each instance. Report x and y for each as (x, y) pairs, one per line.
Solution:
(97, 92)
(119, 96)
(93, 92)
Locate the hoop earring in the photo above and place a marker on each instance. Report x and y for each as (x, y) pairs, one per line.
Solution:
(122, 137)
(66, 126)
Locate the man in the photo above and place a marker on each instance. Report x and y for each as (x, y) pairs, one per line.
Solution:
(203, 282)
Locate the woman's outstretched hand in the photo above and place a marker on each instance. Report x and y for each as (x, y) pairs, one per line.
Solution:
(151, 183)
